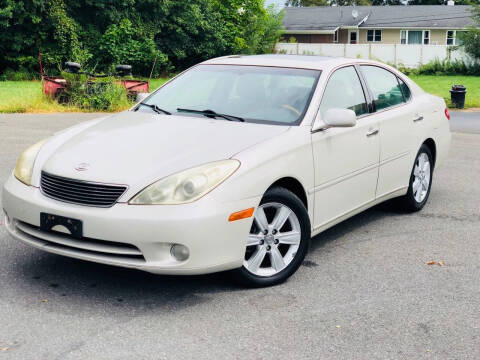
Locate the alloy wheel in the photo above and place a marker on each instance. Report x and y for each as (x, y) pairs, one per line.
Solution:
(273, 240)
(421, 177)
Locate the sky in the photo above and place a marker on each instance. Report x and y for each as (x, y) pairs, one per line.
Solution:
(280, 3)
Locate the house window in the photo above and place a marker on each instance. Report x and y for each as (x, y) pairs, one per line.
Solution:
(426, 37)
(415, 37)
(451, 35)
(353, 37)
(335, 36)
(374, 35)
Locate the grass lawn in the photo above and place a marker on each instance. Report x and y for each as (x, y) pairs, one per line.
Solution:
(440, 85)
(27, 96)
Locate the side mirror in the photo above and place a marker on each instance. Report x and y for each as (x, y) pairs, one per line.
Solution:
(141, 96)
(335, 118)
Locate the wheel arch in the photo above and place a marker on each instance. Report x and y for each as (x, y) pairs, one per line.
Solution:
(294, 185)
(430, 143)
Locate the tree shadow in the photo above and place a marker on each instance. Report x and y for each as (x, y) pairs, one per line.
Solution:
(77, 286)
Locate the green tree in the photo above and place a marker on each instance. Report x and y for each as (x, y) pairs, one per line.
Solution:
(328, 2)
(471, 37)
(120, 44)
(248, 27)
(99, 33)
(22, 30)
(306, 3)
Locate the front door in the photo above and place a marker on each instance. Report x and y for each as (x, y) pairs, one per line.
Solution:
(352, 36)
(346, 159)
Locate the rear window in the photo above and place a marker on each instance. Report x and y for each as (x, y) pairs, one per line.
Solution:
(405, 90)
(384, 86)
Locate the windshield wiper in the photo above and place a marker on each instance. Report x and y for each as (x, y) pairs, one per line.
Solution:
(156, 109)
(211, 113)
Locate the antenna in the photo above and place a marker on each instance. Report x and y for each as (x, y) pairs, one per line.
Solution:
(354, 13)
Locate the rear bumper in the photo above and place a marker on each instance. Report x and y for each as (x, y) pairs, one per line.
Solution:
(135, 236)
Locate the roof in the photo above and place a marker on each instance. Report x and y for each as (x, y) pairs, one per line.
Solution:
(328, 18)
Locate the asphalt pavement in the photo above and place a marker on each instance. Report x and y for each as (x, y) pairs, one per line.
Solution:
(365, 290)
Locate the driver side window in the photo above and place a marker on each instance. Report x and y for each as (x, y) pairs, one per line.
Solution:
(344, 91)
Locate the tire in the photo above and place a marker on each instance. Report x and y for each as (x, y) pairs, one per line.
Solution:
(414, 201)
(72, 67)
(280, 252)
(123, 70)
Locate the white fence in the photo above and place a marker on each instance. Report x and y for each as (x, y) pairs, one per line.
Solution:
(407, 55)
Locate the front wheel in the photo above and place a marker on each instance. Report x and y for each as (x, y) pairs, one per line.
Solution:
(278, 240)
(420, 181)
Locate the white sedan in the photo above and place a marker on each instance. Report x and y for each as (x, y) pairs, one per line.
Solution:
(233, 165)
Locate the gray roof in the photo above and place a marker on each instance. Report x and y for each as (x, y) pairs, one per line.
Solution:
(407, 16)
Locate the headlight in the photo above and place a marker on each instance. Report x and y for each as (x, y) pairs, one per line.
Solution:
(186, 186)
(24, 167)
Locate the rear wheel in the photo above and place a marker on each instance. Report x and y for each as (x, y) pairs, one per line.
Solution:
(420, 181)
(278, 240)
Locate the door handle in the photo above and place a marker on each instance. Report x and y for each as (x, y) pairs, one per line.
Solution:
(418, 118)
(372, 132)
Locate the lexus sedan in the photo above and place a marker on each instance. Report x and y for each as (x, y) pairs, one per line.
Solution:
(232, 165)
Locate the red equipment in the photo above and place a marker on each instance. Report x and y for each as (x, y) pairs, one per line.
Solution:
(136, 86)
(53, 86)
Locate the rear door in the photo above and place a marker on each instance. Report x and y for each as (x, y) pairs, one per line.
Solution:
(396, 116)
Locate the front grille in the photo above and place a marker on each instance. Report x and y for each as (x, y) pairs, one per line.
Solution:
(80, 192)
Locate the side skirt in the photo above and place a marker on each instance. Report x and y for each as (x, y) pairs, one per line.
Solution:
(396, 193)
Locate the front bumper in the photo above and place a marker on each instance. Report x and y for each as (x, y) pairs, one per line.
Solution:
(135, 236)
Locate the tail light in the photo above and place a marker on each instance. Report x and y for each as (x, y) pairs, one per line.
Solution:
(447, 114)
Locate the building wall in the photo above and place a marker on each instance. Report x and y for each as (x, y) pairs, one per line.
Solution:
(343, 36)
(440, 36)
(310, 38)
(389, 36)
(406, 55)
(392, 36)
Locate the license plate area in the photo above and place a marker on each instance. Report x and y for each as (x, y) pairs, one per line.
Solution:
(49, 221)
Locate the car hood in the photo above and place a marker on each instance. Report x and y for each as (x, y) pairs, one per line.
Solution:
(136, 148)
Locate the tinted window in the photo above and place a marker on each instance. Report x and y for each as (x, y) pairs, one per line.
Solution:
(344, 91)
(405, 90)
(384, 86)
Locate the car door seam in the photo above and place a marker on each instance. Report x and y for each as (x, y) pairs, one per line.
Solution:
(342, 178)
(394, 157)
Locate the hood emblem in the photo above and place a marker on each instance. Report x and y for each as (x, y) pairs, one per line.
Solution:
(82, 167)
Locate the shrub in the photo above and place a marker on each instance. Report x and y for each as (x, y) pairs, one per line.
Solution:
(19, 75)
(97, 95)
(443, 67)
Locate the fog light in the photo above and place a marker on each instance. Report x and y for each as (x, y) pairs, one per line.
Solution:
(179, 252)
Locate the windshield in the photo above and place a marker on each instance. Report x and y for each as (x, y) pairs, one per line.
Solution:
(249, 93)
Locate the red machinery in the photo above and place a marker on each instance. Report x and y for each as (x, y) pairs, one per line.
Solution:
(53, 86)
(134, 87)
